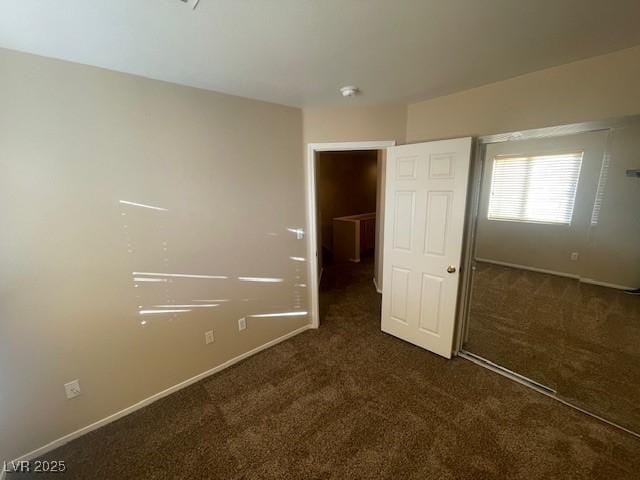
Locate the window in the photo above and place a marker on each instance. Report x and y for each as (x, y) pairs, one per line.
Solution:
(540, 189)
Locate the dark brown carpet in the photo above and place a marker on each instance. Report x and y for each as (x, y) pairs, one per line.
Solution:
(347, 402)
(581, 340)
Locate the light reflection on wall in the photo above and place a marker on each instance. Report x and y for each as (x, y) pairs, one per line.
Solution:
(181, 275)
(163, 293)
(196, 305)
(279, 314)
(261, 279)
(142, 205)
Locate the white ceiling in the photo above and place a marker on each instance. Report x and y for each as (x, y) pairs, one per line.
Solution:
(299, 52)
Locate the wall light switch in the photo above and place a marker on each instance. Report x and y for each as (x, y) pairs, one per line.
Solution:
(242, 323)
(208, 337)
(575, 256)
(72, 389)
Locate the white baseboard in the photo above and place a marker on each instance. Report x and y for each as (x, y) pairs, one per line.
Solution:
(375, 283)
(526, 267)
(147, 401)
(590, 281)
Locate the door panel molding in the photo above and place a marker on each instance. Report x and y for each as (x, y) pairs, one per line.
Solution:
(426, 194)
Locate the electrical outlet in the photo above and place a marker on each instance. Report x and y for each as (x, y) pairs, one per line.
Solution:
(72, 389)
(208, 337)
(242, 323)
(575, 256)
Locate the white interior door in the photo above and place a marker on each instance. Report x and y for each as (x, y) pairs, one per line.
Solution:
(426, 192)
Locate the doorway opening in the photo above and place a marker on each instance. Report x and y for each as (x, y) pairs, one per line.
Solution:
(347, 221)
(345, 211)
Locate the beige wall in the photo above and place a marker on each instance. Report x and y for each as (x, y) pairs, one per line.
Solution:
(346, 184)
(75, 140)
(354, 123)
(592, 89)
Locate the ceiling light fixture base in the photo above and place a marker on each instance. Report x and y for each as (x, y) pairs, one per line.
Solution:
(350, 91)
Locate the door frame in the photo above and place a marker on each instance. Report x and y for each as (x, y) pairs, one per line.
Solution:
(312, 228)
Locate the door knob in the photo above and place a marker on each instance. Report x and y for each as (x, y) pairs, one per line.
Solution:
(451, 269)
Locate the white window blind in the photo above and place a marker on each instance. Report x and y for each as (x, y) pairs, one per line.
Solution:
(537, 189)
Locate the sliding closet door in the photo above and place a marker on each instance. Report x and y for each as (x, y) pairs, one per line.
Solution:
(554, 291)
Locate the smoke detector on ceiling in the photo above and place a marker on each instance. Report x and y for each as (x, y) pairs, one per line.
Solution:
(350, 91)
